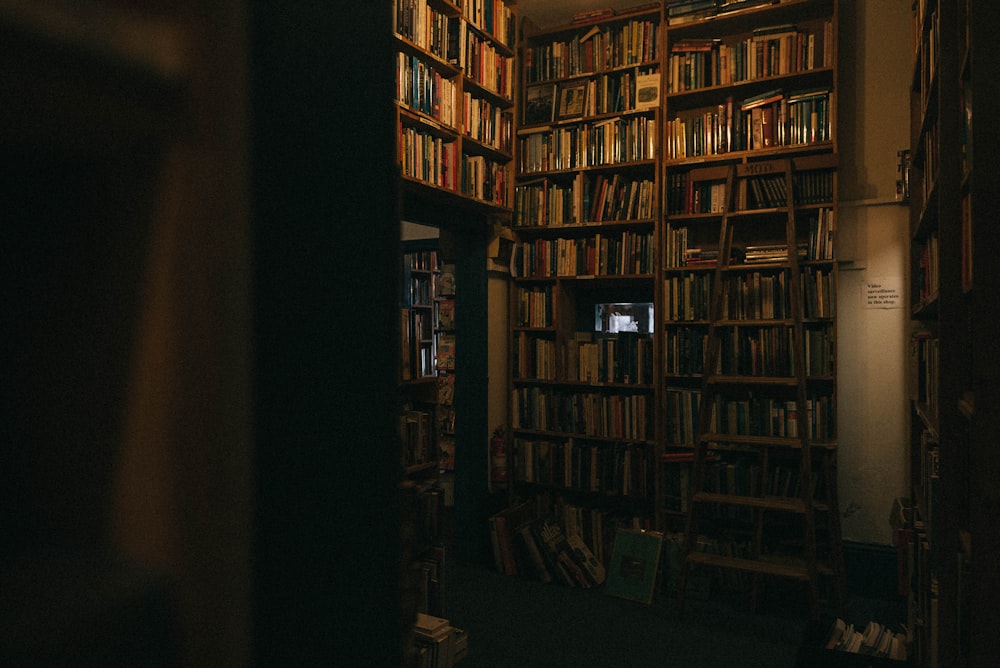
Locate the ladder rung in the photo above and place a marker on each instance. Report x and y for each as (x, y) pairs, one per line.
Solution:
(790, 381)
(791, 505)
(747, 439)
(785, 570)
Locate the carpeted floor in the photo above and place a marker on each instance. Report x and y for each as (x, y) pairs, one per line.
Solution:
(526, 623)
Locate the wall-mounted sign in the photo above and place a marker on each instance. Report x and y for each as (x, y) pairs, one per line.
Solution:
(883, 292)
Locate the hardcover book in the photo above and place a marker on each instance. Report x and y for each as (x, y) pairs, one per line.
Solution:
(635, 561)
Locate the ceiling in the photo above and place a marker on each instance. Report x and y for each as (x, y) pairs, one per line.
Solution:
(547, 13)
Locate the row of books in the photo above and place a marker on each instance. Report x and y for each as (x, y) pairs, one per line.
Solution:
(421, 260)
(687, 194)
(423, 88)
(419, 291)
(611, 141)
(625, 358)
(684, 351)
(600, 49)
(534, 307)
(417, 437)
(688, 297)
(780, 120)
(540, 547)
(486, 65)
(874, 639)
(597, 525)
(417, 356)
(818, 246)
(427, 157)
(740, 476)
(770, 51)
(766, 191)
(624, 416)
(484, 179)
(493, 17)
(680, 12)
(820, 290)
(436, 643)
(928, 270)
(925, 363)
(432, 159)
(548, 203)
(753, 416)
(756, 295)
(757, 352)
(425, 26)
(616, 469)
(488, 123)
(625, 254)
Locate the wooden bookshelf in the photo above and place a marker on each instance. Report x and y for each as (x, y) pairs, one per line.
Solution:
(747, 288)
(954, 357)
(586, 205)
(454, 122)
(455, 71)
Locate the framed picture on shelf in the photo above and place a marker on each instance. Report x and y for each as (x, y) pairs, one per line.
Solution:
(572, 100)
(635, 560)
(539, 103)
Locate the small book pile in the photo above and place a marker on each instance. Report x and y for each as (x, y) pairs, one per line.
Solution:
(875, 640)
(538, 547)
(438, 644)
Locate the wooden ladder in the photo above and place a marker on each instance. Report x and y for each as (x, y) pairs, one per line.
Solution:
(806, 567)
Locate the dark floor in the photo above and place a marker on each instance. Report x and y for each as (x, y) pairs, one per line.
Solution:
(513, 621)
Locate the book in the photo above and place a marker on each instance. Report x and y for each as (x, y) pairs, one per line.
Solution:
(434, 646)
(446, 389)
(445, 351)
(635, 560)
(446, 314)
(406, 343)
(559, 555)
(429, 625)
(583, 556)
(647, 91)
(761, 99)
(503, 525)
(538, 563)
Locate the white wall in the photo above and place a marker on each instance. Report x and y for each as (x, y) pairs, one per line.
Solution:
(873, 408)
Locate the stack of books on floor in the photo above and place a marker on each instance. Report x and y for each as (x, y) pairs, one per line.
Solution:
(840, 643)
(438, 644)
(875, 640)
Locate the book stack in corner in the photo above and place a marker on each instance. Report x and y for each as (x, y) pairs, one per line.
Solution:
(875, 639)
(438, 644)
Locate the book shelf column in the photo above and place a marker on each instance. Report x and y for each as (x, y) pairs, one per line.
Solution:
(454, 126)
(938, 324)
(978, 579)
(455, 74)
(954, 349)
(584, 444)
(749, 296)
